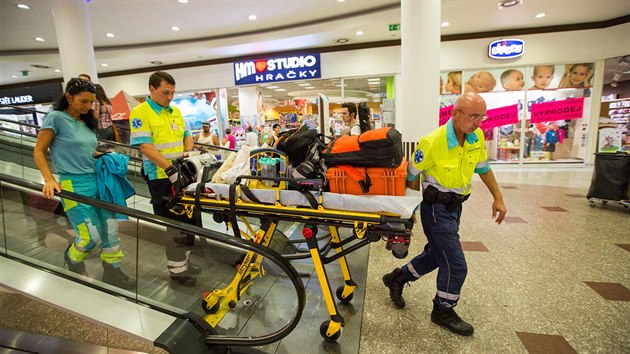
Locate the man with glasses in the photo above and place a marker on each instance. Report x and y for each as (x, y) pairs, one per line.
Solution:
(447, 158)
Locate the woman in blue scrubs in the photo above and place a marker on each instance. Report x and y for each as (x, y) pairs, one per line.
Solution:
(69, 132)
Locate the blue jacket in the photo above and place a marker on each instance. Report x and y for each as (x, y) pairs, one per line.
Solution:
(111, 176)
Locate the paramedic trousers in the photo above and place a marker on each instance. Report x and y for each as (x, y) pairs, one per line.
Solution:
(93, 225)
(442, 251)
(177, 244)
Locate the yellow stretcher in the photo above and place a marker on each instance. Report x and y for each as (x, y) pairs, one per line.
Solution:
(238, 202)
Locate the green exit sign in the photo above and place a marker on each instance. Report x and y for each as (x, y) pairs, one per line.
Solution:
(395, 27)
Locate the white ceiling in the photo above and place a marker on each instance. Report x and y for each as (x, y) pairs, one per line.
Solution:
(213, 29)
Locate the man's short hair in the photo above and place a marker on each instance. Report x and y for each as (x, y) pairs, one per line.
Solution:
(89, 78)
(352, 108)
(276, 125)
(155, 80)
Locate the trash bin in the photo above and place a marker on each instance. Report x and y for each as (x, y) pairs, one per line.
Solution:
(611, 176)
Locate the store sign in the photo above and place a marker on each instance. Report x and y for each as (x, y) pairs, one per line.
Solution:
(16, 99)
(506, 49)
(445, 114)
(299, 67)
(498, 117)
(572, 108)
(35, 94)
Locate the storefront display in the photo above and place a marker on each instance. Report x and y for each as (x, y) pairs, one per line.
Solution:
(533, 112)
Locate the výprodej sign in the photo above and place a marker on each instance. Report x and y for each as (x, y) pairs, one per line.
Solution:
(506, 49)
(298, 67)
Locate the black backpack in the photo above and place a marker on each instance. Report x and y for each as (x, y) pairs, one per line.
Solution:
(296, 143)
(364, 117)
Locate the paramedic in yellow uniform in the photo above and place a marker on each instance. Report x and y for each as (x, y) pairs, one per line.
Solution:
(446, 159)
(158, 129)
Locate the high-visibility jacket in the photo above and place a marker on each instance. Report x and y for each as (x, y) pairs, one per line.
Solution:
(445, 164)
(163, 127)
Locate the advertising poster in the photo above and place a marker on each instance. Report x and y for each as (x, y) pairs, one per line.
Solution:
(451, 83)
(197, 108)
(549, 76)
(495, 80)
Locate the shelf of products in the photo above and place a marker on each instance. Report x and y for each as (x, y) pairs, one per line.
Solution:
(618, 113)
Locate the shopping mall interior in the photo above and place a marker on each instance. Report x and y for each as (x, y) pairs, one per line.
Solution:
(306, 275)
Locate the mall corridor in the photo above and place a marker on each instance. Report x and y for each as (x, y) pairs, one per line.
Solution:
(553, 278)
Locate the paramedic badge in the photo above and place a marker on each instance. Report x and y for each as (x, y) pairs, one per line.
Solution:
(418, 156)
(136, 123)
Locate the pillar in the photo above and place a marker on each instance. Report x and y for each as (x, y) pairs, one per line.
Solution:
(417, 92)
(74, 38)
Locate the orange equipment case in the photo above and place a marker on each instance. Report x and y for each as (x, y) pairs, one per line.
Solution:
(385, 181)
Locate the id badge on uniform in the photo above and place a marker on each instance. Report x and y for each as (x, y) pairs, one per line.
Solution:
(174, 126)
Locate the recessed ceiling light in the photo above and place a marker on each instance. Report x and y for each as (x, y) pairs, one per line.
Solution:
(541, 15)
(23, 7)
(341, 0)
(182, 1)
(175, 28)
(110, 35)
(359, 33)
(57, 70)
(304, 84)
(342, 40)
(272, 87)
(15, 76)
(252, 17)
(281, 89)
(309, 87)
(105, 65)
(446, 24)
(40, 39)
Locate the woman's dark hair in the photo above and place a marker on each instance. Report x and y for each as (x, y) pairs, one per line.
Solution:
(74, 87)
(101, 96)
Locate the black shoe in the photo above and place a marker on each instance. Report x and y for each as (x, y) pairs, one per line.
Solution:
(395, 282)
(184, 279)
(193, 269)
(114, 276)
(78, 268)
(448, 319)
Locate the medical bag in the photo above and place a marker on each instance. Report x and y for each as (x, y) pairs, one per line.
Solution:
(375, 148)
(346, 179)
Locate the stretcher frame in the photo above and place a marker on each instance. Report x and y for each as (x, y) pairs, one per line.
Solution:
(367, 227)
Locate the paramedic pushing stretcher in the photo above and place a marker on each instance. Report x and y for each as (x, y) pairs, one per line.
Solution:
(447, 159)
(158, 129)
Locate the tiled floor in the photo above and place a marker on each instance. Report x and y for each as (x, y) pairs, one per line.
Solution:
(554, 279)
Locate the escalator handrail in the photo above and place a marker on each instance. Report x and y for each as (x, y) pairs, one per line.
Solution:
(268, 253)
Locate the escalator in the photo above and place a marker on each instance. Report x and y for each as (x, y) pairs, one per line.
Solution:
(34, 233)
(169, 316)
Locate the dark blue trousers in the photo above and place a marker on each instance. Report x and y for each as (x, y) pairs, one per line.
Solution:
(442, 251)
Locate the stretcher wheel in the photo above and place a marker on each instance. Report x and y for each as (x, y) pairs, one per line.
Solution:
(214, 309)
(339, 292)
(322, 330)
(232, 304)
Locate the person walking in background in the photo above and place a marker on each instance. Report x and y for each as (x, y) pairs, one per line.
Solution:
(251, 138)
(69, 132)
(447, 158)
(159, 130)
(276, 129)
(103, 108)
(229, 140)
(349, 117)
(207, 136)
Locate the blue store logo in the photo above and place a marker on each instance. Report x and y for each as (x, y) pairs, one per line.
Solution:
(506, 49)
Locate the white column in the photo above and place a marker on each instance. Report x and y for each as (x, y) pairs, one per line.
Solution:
(247, 104)
(417, 94)
(74, 38)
